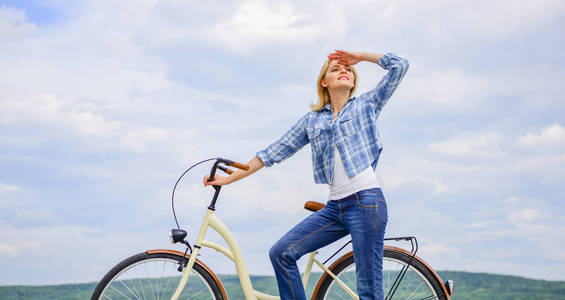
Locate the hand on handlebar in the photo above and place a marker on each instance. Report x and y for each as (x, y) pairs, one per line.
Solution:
(218, 180)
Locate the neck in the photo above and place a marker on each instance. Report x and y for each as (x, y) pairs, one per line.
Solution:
(338, 98)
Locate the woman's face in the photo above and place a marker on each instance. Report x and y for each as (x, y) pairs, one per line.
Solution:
(338, 76)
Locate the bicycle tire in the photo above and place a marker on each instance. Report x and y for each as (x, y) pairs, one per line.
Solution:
(133, 278)
(426, 286)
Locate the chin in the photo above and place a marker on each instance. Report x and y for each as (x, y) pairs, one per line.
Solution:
(348, 85)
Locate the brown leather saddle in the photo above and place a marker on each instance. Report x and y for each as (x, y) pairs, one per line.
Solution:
(313, 205)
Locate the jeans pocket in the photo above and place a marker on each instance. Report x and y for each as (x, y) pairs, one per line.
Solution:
(366, 200)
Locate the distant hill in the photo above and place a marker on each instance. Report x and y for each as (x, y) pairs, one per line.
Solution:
(493, 286)
(467, 286)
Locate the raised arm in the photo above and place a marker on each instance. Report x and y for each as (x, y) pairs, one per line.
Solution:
(396, 66)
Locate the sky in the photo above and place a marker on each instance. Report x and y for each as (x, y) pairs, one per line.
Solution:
(103, 104)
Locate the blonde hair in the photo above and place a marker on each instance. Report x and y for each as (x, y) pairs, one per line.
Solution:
(323, 93)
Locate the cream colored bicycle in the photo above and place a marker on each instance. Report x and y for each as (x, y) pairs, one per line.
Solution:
(170, 274)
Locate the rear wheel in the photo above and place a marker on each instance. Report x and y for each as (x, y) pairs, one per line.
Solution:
(418, 281)
(156, 276)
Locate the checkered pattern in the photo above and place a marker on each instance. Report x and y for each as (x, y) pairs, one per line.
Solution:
(354, 131)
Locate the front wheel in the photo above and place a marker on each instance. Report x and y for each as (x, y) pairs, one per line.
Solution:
(155, 275)
(418, 282)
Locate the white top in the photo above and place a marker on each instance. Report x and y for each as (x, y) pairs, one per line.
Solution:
(343, 186)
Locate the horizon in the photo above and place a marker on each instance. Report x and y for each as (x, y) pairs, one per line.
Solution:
(318, 272)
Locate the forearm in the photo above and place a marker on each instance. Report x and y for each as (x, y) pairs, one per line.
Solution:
(370, 57)
(254, 165)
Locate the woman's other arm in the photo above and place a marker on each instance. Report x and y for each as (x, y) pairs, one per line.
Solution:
(254, 165)
(288, 144)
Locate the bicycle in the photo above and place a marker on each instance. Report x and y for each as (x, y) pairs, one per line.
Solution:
(164, 273)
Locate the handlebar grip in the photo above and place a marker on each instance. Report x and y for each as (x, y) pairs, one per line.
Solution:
(239, 165)
(228, 171)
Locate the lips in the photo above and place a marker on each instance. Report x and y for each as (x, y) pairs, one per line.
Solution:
(343, 76)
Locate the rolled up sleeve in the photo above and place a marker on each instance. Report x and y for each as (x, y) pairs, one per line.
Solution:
(288, 144)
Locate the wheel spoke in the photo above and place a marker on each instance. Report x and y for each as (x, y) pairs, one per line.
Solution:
(149, 280)
(167, 280)
(122, 283)
(120, 292)
(410, 296)
(196, 294)
(133, 286)
(141, 287)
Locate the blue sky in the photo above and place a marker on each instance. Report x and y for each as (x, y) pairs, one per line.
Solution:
(103, 104)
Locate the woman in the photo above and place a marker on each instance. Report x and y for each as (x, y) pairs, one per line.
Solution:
(345, 146)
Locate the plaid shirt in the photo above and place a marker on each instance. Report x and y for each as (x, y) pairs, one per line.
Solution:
(354, 131)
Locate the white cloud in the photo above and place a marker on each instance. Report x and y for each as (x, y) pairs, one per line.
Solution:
(14, 249)
(256, 23)
(4, 187)
(10, 194)
(450, 88)
(444, 21)
(34, 216)
(552, 135)
(435, 249)
(261, 22)
(523, 216)
(482, 145)
(396, 177)
(14, 22)
(66, 117)
(53, 245)
(484, 224)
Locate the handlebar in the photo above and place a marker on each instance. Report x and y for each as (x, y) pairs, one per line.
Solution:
(227, 162)
(224, 161)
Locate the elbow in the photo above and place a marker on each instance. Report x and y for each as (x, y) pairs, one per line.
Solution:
(405, 64)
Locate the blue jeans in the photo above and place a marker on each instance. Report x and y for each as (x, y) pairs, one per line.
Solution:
(363, 215)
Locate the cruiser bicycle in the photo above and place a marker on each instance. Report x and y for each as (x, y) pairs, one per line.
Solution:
(170, 274)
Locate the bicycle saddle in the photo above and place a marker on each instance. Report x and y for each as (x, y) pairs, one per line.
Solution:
(313, 205)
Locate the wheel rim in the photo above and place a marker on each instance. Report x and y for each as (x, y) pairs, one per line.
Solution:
(414, 284)
(155, 278)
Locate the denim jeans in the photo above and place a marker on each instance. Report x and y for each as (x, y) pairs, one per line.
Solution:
(363, 215)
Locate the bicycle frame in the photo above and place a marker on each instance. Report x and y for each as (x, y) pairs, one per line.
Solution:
(234, 253)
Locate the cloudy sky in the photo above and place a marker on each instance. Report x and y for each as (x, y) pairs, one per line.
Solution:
(103, 104)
